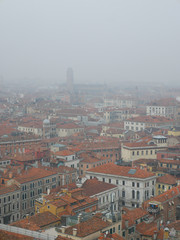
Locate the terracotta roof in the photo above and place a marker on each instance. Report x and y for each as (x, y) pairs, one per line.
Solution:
(63, 238)
(149, 119)
(12, 188)
(132, 215)
(64, 153)
(146, 229)
(34, 174)
(109, 236)
(166, 179)
(175, 225)
(138, 145)
(113, 169)
(93, 186)
(88, 227)
(171, 193)
(4, 235)
(37, 221)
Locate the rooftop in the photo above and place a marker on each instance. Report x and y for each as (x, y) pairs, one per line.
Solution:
(113, 169)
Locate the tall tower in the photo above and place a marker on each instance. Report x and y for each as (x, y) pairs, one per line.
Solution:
(69, 79)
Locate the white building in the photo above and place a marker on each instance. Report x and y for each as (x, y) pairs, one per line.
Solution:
(108, 195)
(68, 129)
(142, 122)
(162, 107)
(135, 185)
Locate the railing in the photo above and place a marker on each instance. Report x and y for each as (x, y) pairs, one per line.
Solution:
(36, 235)
(151, 210)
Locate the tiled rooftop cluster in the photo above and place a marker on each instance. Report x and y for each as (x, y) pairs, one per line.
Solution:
(90, 164)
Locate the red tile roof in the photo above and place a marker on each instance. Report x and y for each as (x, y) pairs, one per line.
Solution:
(150, 119)
(171, 193)
(146, 229)
(88, 227)
(109, 236)
(113, 169)
(167, 179)
(34, 174)
(93, 186)
(37, 221)
(10, 189)
(132, 215)
(4, 235)
(175, 225)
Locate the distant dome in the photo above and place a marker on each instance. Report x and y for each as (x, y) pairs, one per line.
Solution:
(46, 121)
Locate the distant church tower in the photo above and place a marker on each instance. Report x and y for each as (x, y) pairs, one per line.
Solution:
(70, 79)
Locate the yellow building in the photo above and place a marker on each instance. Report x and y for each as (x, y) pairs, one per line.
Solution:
(66, 203)
(175, 131)
(165, 183)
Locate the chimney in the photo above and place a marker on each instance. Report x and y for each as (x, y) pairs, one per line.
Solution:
(10, 175)
(74, 231)
(79, 217)
(63, 229)
(126, 223)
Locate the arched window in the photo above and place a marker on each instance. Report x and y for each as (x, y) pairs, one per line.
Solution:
(138, 195)
(133, 194)
(153, 191)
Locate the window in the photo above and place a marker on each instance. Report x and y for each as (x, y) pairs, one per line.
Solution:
(133, 194)
(109, 180)
(137, 184)
(123, 193)
(133, 184)
(117, 182)
(138, 195)
(53, 179)
(153, 191)
(152, 182)
(133, 153)
(151, 152)
(137, 152)
(103, 179)
(123, 182)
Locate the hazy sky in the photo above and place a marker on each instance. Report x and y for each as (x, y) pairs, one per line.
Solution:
(102, 40)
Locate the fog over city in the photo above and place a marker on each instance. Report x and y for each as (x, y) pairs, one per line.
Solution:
(104, 41)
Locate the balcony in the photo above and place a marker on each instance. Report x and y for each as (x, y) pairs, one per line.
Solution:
(153, 210)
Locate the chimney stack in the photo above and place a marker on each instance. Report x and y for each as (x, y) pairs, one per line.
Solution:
(74, 231)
